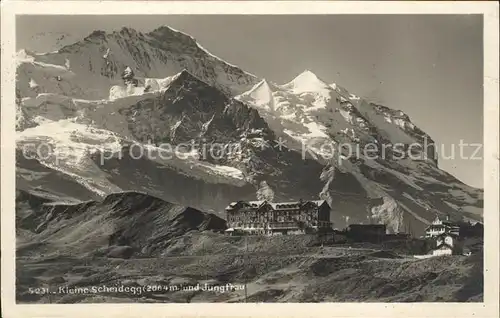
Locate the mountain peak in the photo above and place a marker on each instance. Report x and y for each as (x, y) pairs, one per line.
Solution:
(169, 29)
(307, 81)
(308, 74)
(166, 33)
(185, 75)
(97, 34)
(128, 31)
(261, 94)
(263, 84)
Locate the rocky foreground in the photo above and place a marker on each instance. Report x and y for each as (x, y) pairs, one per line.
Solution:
(132, 247)
(339, 274)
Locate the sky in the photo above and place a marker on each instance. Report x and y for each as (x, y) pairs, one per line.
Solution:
(429, 66)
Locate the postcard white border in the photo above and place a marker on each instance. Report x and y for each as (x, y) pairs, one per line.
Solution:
(489, 308)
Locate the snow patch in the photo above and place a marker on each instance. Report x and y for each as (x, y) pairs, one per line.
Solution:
(227, 171)
(32, 83)
(260, 95)
(24, 56)
(316, 130)
(308, 82)
(353, 97)
(119, 91)
(389, 213)
(67, 148)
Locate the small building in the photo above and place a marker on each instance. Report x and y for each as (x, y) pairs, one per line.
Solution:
(269, 218)
(367, 229)
(439, 227)
(443, 249)
(445, 238)
(446, 244)
(366, 232)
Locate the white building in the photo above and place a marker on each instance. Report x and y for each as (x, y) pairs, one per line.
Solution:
(439, 227)
(442, 250)
(445, 239)
(444, 245)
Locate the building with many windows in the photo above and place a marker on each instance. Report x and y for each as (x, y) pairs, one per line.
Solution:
(269, 218)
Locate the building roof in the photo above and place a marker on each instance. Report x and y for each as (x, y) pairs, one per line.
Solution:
(449, 223)
(257, 203)
(447, 234)
(277, 205)
(435, 226)
(367, 225)
(443, 245)
(232, 205)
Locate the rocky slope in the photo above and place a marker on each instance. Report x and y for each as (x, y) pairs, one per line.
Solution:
(270, 278)
(133, 240)
(131, 222)
(96, 126)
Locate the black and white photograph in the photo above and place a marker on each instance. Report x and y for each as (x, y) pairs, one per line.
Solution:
(258, 158)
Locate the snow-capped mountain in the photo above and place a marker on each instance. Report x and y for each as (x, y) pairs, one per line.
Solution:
(337, 126)
(96, 100)
(309, 110)
(88, 68)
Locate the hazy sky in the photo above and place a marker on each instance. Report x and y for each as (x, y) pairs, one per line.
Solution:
(429, 66)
